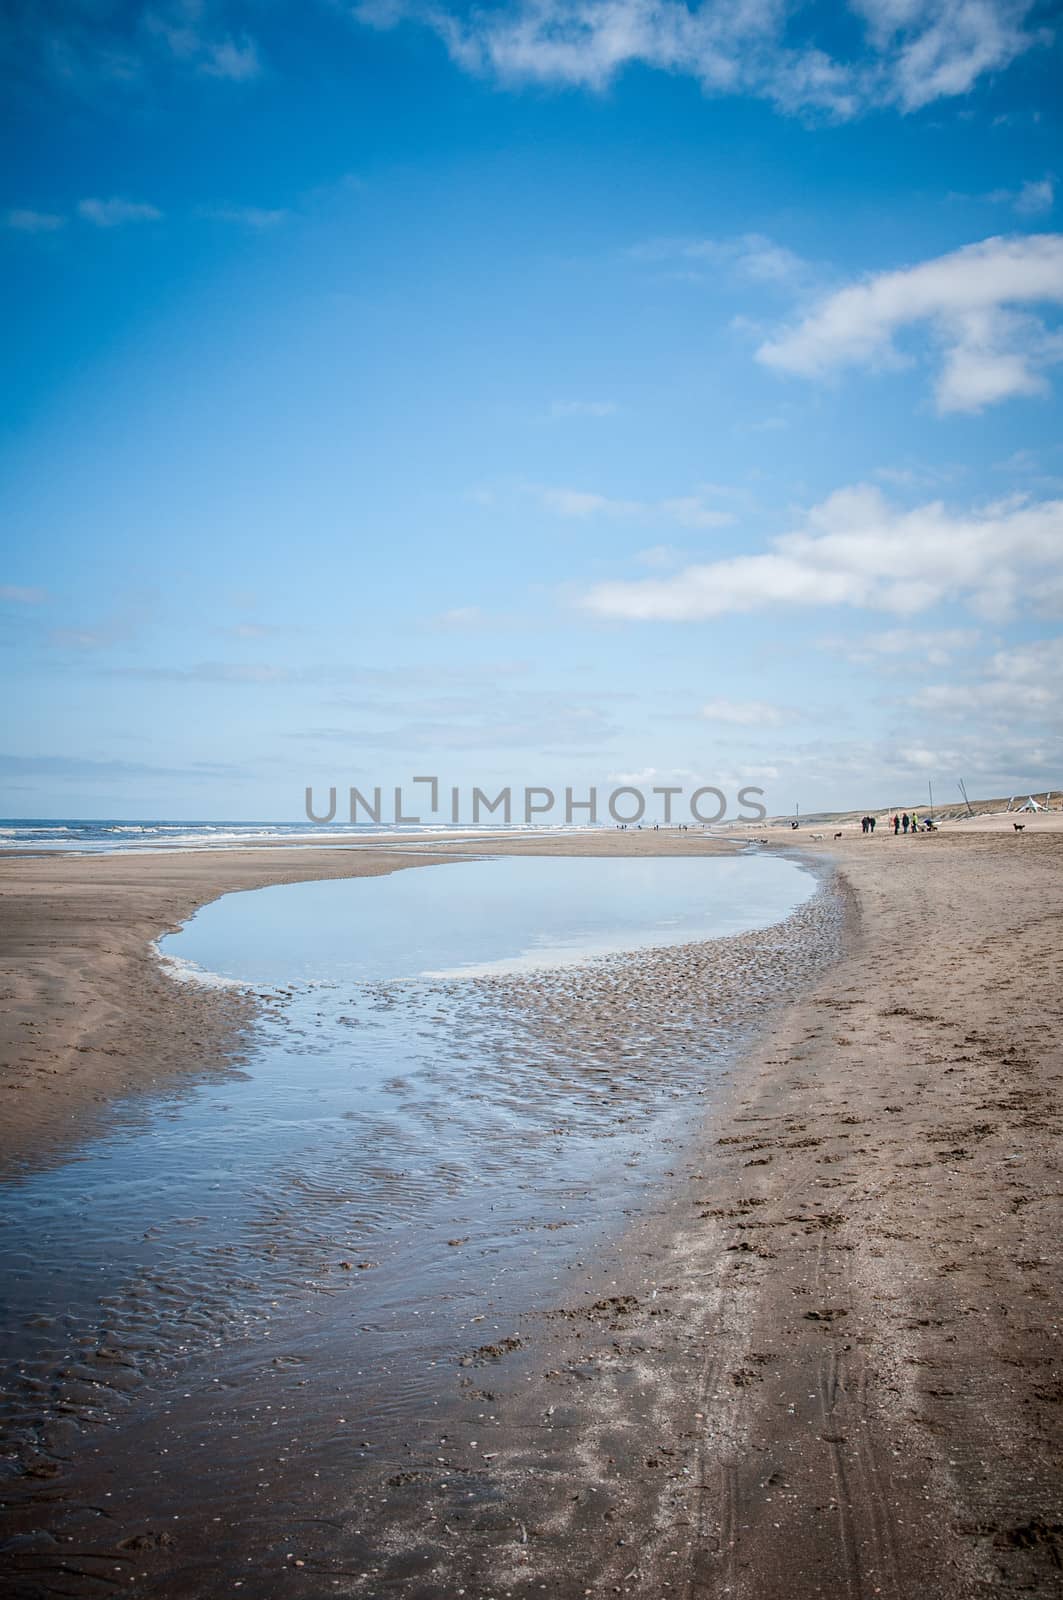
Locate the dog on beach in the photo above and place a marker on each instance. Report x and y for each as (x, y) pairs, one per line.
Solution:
(837, 835)
(1018, 826)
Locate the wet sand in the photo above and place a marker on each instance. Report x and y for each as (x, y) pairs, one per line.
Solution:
(828, 1363)
(835, 1367)
(88, 1015)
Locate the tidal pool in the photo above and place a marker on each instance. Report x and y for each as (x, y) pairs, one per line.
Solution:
(507, 915)
(414, 1145)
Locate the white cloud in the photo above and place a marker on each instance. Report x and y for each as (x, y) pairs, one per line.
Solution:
(234, 59)
(643, 775)
(961, 699)
(744, 713)
(905, 647)
(688, 511)
(856, 549)
(583, 503)
(993, 760)
(253, 630)
(1048, 601)
(752, 256)
(461, 618)
(1035, 662)
(659, 775)
(245, 216)
(941, 49)
(1035, 197)
(1016, 684)
(920, 477)
(913, 53)
(113, 213)
(910, 54)
(24, 221)
(919, 758)
(202, 672)
(659, 556)
(990, 352)
(1019, 461)
(97, 46)
(691, 511)
(178, 30)
(1031, 199)
(582, 408)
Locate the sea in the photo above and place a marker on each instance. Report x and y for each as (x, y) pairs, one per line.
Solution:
(81, 836)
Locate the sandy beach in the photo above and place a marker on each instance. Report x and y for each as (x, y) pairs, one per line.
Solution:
(835, 1368)
(828, 1363)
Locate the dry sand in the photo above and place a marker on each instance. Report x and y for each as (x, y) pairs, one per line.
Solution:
(831, 1369)
(88, 1011)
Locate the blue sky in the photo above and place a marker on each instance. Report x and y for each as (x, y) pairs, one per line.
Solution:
(551, 393)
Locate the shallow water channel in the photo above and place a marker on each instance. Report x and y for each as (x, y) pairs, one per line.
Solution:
(439, 1110)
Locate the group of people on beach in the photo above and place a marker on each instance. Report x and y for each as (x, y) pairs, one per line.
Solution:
(904, 822)
(911, 824)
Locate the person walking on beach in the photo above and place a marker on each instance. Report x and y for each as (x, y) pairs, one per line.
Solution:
(896, 823)
(871, 823)
(863, 824)
(904, 822)
(915, 822)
